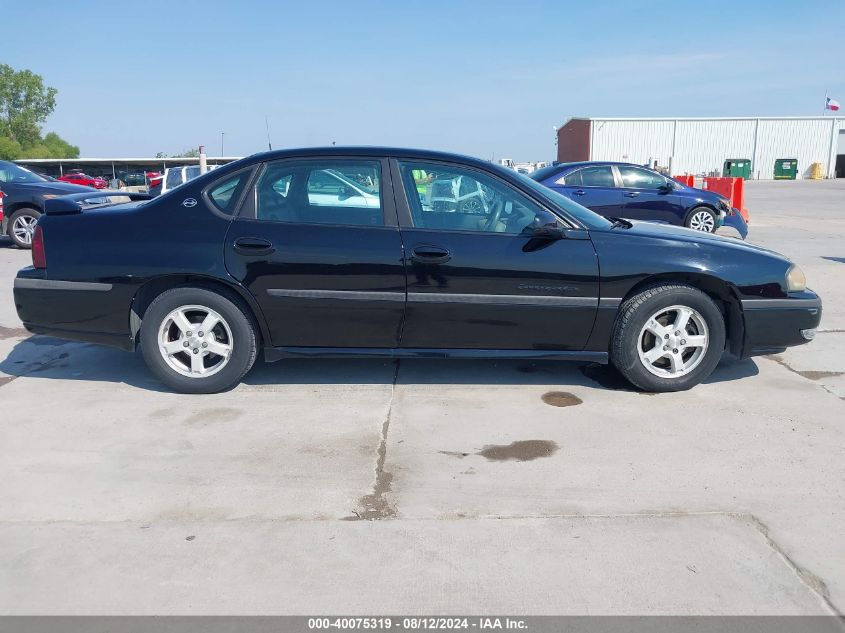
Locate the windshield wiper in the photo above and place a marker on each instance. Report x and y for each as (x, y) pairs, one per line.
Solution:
(617, 222)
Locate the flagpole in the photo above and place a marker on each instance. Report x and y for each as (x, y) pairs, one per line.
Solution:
(824, 108)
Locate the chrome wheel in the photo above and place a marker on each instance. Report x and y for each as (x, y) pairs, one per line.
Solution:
(702, 221)
(195, 341)
(673, 341)
(23, 228)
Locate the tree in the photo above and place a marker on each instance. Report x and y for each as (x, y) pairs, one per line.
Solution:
(9, 149)
(60, 148)
(25, 103)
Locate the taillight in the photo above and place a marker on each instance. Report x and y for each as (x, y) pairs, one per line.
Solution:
(1, 204)
(39, 257)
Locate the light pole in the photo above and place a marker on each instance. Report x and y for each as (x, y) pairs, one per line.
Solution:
(222, 137)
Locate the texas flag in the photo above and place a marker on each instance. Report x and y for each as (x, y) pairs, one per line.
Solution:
(831, 104)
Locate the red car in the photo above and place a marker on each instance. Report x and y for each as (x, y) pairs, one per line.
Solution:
(76, 177)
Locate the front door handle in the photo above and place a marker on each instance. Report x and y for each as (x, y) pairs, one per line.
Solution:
(253, 246)
(428, 254)
(579, 192)
(632, 194)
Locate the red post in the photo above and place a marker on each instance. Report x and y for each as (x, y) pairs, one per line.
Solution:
(733, 189)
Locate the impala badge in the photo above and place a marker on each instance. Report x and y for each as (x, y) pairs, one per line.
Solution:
(189, 202)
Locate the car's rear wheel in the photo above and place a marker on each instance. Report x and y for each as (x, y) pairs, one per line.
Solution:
(669, 337)
(197, 340)
(702, 219)
(22, 226)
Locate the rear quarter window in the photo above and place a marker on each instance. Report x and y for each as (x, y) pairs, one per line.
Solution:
(225, 194)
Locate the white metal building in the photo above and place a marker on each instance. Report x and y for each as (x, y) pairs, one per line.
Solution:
(701, 145)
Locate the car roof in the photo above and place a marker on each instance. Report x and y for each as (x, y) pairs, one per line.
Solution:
(594, 163)
(367, 150)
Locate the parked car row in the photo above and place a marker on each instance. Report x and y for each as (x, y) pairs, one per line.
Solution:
(401, 253)
(78, 177)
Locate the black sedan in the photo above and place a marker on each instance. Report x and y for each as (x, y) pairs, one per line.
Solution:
(399, 253)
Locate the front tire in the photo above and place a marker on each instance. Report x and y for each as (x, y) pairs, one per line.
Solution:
(198, 340)
(669, 337)
(701, 219)
(22, 226)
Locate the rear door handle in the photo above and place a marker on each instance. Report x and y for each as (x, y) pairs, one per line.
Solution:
(253, 246)
(579, 192)
(632, 194)
(428, 254)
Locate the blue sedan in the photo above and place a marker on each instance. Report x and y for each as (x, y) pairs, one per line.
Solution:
(638, 193)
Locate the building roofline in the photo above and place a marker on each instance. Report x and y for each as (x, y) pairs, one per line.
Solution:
(171, 159)
(704, 118)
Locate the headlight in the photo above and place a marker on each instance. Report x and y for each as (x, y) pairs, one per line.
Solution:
(726, 204)
(795, 279)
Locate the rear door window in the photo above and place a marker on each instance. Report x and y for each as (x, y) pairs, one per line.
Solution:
(343, 192)
(600, 176)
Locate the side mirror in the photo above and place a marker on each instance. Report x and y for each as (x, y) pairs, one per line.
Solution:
(549, 232)
(546, 226)
(667, 187)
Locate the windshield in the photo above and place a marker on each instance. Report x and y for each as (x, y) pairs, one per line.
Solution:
(590, 219)
(9, 172)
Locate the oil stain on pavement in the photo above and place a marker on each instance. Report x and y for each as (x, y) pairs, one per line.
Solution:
(520, 451)
(561, 398)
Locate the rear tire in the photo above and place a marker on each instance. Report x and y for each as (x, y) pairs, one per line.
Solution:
(198, 340)
(669, 337)
(701, 219)
(22, 226)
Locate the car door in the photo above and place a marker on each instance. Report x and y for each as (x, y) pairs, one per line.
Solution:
(478, 277)
(593, 187)
(649, 196)
(328, 276)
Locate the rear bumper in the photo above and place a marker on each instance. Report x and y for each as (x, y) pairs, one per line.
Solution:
(78, 310)
(772, 325)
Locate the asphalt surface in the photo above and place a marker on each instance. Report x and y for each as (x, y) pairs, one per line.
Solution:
(369, 487)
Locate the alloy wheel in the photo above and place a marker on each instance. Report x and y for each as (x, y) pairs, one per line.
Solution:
(673, 341)
(702, 221)
(195, 341)
(23, 228)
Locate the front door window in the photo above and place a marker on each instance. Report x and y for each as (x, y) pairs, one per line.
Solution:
(449, 198)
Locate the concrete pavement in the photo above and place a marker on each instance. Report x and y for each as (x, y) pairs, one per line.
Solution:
(362, 486)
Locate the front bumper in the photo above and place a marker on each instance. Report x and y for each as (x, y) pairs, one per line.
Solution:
(736, 221)
(772, 325)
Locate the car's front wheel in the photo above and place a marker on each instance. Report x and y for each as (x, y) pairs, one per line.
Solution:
(197, 340)
(702, 219)
(669, 337)
(22, 226)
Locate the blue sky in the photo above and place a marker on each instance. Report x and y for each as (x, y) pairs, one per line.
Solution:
(489, 79)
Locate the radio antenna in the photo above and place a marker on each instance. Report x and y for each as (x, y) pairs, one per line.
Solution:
(267, 127)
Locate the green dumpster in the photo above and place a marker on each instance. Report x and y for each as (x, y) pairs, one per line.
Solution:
(737, 168)
(786, 169)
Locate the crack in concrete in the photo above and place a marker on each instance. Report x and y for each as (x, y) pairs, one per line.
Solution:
(808, 374)
(375, 505)
(811, 580)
